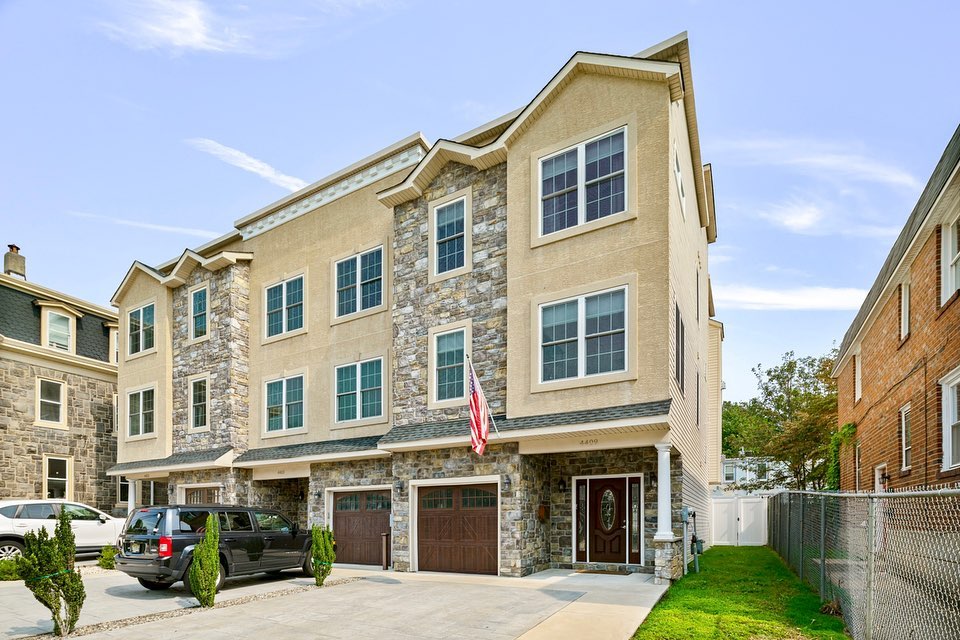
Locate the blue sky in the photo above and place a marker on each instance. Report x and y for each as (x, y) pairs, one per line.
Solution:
(131, 130)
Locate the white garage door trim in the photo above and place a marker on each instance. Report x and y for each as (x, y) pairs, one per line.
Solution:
(328, 498)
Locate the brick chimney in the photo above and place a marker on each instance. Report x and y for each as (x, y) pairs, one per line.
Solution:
(14, 264)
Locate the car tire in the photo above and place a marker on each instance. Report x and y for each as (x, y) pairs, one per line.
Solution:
(308, 565)
(221, 578)
(154, 586)
(10, 549)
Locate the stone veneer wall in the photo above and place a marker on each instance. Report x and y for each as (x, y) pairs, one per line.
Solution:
(89, 439)
(224, 355)
(283, 495)
(350, 473)
(235, 484)
(480, 295)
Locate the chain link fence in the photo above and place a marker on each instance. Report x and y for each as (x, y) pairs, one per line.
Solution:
(889, 561)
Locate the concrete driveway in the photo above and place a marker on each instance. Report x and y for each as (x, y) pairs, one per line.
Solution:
(551, 604)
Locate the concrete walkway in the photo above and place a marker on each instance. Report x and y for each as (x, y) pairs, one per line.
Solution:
(551, 604)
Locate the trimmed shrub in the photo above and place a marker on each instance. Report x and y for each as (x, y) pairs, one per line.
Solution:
(323, 554)
(8, 570)
(107, 555)
(205, 568)
(47, 569)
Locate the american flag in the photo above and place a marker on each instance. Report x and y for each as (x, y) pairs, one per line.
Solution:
(479, 415)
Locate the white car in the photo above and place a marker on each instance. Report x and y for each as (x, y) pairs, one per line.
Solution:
(92, 528)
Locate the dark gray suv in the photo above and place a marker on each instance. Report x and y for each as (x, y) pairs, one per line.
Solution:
(157, 543)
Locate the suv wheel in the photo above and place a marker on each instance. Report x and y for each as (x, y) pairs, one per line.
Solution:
(221, 578)
(154, 586)
(308, 564)
(10, 549)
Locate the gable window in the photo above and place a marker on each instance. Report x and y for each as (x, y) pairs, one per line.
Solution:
(199, 400)
(679, 338)
(450, 365)
(857, 377)
(140, 412)
(140, 326)
(949, 260)
(450, 236)
(360, 282)
(198, 313)
(904, 310)
(285, 404)
(360, 390)
(285, 306)
(582, 184)
(950, 390)
(584, 336)
(58, 331)
(678, 175)
(49, 402)
(905, 438)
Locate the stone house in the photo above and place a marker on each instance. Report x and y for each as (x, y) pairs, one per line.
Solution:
(315, 358)
(58, 383)
(898, 370)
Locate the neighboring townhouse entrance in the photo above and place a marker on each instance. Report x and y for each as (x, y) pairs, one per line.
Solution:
(360, 518)
(457, 528)
(609, 519)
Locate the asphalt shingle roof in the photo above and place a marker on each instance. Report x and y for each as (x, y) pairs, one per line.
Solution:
(461, 427)
(189, 457)
(309, 449)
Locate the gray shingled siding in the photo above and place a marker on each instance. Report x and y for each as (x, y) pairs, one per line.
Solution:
(20, 319)
(93, 338)
(189, 457)
(288, 451)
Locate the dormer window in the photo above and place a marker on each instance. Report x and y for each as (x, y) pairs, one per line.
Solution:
(58, 331)
(58, 326)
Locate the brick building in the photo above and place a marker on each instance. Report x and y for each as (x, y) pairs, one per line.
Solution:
(316, 357)
(58, 382)
(898, 370)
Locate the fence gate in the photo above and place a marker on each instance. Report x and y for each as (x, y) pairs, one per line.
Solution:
(740, 521)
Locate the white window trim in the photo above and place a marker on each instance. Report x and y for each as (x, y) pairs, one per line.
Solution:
(357, 420)
(113, 344)
(182, 489)
(122, 480)
(71, 331)
(904, 412)
(581, 181)
(55, 424)
(733, 466)
(360, 312)
(190, 382)
(284, 333)
(582, 337)
(126, 413)
(948, 269)
(467, 196)
(68, 494)
(116, 413)
(190, 314)
(857, 376)
(130, 355)
(904, 309)
(284, 430)
(949, 386)
(433, 334)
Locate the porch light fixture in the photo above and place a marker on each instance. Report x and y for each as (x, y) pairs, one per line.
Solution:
(507, 483)
(318, 495)
(884, 478)
(398, 486)
(563, 485)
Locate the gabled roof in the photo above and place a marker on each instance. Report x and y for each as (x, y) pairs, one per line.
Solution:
(946, 168)
(181, 269)
(219, 457)
(344, 448)
(47, 294)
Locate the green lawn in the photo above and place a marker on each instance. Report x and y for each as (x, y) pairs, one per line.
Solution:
(740, 592)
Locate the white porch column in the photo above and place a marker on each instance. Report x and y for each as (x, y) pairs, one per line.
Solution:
(133, 490)
(664, 523)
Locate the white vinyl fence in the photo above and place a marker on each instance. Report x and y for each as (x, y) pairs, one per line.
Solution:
(740, 520)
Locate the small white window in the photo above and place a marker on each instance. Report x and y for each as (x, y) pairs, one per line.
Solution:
(949, 260)
(904, 310)
(140, 415)
(451, 235)
(284, 405)
(905, 437)
(56, 478)
(360, 390)
(729, 472)
(140, 329)
(123, 489)
(360, 282)
(58, 331)
(678, 174)
(50, 401)
(284, 306)
(583, 336)
(198, 313)
(199, 401)
(950, 390)
(857, 377)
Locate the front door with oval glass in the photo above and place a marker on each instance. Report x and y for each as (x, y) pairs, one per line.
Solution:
(608, 520)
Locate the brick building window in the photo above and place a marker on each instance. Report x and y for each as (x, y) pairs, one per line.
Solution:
(949, 260)
(950, 391)
(856, 466)
(905, 438)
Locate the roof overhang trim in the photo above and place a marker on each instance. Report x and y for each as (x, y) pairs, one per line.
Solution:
(181, 270)
(365, 454)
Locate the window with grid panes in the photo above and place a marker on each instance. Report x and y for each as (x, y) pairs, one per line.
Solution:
(51, 401)
(198, 313)
(198, 404)
(58, 331)
(140, 329)
(450, 355)
(450, 236)
(140, 415)
(568, 352)
(437, 499)
(360, 390)
(285, 404)
(360, 282)
(285, 306)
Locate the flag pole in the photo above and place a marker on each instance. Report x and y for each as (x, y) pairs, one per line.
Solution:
(474, 372)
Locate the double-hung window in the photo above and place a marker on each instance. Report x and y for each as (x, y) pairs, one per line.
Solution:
(285, 306)
(583, 184)
(584, 336)
(58, 331)
(140, 329)
(199, 400)
(950, 390)
(360, 282)
(450, 364)
(904, 309)
(451, 236)
(360, 390)
(198, 313)
(729, 472)
(284, 404)
(905, 438)
(50, 401)
(140, 412)
(950, 260)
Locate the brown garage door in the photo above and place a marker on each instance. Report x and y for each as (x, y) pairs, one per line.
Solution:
(359, 519)
(457, 529)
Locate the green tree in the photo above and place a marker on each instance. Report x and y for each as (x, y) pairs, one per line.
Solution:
(47, 569)
(205, 567)
(323, 554)
(790, 421)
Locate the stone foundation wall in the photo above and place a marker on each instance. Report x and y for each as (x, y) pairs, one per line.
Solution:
(235, 484)
(89, 438)
(351, 473)
(669, 562)
(288, 496)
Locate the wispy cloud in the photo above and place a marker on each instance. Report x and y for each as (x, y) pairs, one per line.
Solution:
(822, 159)
(813, 216)
(788, 299)
(246, 162)
(178, 25)
(186, 231)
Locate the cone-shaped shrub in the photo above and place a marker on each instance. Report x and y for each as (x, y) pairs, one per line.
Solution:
(205, 568)
(323, 553)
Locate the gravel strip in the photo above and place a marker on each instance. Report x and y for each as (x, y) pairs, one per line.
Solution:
(176, 613)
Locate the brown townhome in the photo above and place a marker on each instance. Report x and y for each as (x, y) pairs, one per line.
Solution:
(58, 380)
(898, 370)
(314, 359)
